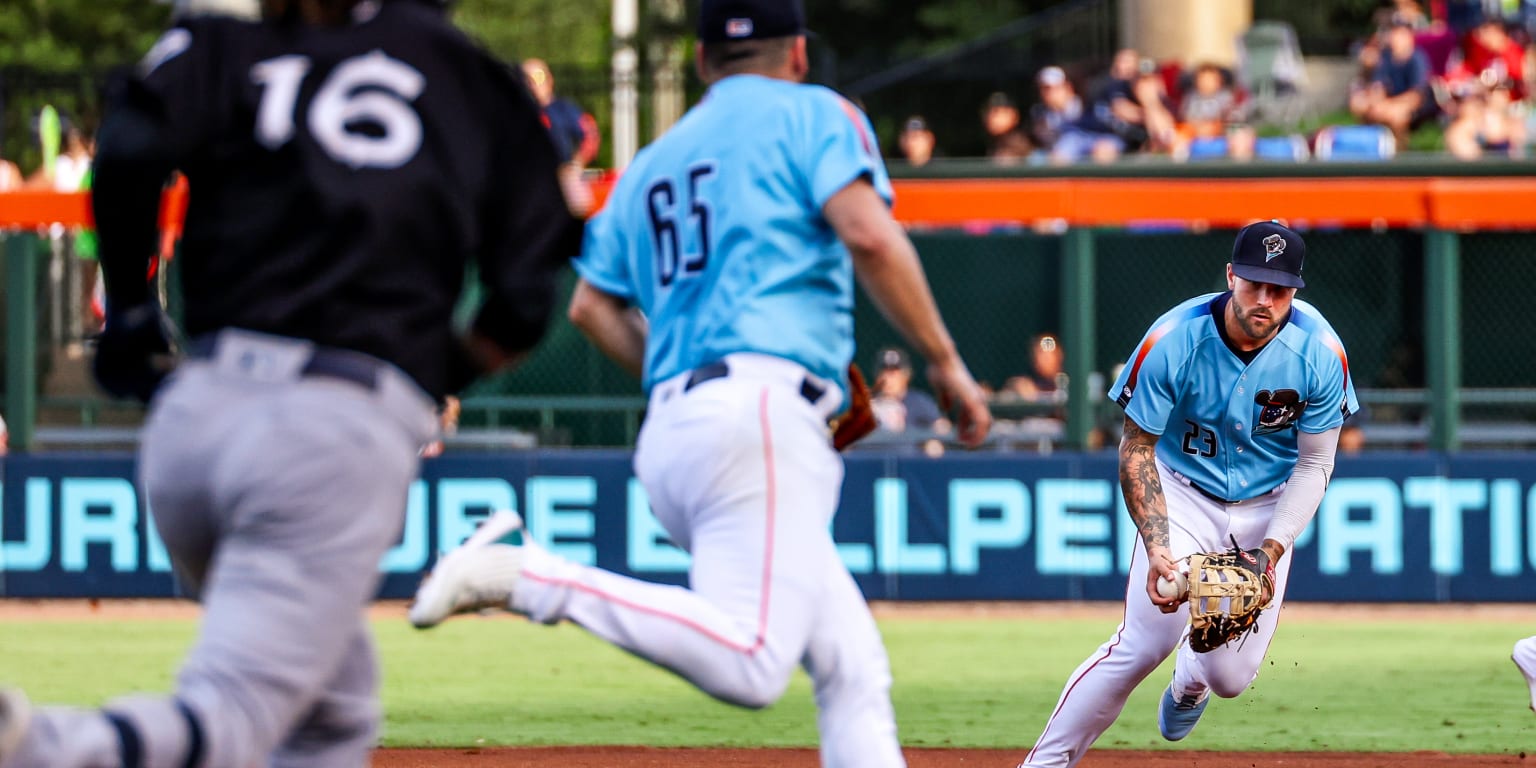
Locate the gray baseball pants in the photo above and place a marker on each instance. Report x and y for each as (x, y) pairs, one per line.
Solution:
(276, 491)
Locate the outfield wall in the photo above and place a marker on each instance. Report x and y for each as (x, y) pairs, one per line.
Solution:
(1394, 527)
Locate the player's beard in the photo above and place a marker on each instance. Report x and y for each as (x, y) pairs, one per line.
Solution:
(1258, 324)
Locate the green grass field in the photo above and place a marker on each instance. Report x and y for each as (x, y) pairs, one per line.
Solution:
(1378, 685)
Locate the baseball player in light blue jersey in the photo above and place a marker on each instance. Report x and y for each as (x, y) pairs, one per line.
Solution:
(721, 272)
(1233, 406)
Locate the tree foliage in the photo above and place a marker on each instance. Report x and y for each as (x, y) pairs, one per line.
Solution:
(60, 35)
(570, 33)
(57, 52)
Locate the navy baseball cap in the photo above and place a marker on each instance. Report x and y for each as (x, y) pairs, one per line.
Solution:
(723, 21)
(1267, 252)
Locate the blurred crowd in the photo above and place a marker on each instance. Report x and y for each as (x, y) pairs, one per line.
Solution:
(1461, 66)
(1418, 68)
(1137, 106)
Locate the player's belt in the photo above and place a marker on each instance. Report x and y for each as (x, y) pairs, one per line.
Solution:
(1203, 492)
(344, 364)
(720, 369)
(1212, 496)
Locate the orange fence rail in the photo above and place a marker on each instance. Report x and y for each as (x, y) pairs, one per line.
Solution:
(1447, 203)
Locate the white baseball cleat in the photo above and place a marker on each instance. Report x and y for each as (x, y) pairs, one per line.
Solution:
(1525, 659)
(15, 717)
(480, 574)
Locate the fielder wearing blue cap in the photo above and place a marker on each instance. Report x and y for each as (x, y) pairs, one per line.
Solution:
(1233, 407)
(721, 273)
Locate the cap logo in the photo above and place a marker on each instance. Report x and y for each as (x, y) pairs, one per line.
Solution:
(738, 28)
(1274, 245)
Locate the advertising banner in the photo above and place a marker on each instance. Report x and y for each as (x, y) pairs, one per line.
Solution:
(1393, 527)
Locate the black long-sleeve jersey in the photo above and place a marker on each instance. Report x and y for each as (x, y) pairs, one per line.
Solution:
(340, 179)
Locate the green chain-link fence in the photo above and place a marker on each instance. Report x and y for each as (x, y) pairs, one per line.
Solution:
(1001, 288)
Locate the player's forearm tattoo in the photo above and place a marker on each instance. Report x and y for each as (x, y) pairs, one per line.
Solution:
(1141, 485)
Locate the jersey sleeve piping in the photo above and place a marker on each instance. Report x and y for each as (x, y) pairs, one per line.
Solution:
(867, 144)
(1153, 337)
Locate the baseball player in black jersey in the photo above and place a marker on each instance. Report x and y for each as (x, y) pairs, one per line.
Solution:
(345, 159)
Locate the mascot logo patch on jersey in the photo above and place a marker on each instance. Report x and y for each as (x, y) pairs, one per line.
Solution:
(1278, 410)
(1274, 245)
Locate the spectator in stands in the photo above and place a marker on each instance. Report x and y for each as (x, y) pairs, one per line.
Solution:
(1488, 119)
(1047, 375)
(10, 176)
(1045, 383)
(448, 420)
(1119, 79)
(1398, 94)
(916, 142)
(1352, 437)
(1061, 126)
(897, 406)
(74, 162)
(68, 170)
(1212, 112)
(1135, 105)
(1006, 141)
(1209, 105)
(1367, 58)
(1410, 11)
(1490, 48)
(575, 131)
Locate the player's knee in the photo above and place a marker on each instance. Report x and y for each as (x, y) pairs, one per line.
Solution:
(851, 673)
(339, 718)
(1230, 686)
(757, 698)
(757, 687)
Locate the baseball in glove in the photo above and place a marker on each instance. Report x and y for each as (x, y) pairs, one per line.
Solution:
(1227, 591)
(858, 419)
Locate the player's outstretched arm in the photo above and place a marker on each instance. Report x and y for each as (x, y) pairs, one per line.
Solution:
(888, 268)
(1143, 490)
(611, 324)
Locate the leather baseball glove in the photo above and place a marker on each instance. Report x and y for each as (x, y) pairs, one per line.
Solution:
(1227, 592)
(858, 419)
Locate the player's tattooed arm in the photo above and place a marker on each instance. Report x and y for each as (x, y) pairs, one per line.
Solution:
(1144, 499)
(1141, 485)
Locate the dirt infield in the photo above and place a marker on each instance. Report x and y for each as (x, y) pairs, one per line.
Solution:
(647, 757)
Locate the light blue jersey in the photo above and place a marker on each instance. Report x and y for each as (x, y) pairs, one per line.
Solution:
(716, 233)
(1229, 426)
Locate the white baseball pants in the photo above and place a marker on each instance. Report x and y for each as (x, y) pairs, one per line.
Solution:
(1097, 691)
(741, 474)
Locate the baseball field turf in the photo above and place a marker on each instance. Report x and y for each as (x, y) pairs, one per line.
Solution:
(1337, 680)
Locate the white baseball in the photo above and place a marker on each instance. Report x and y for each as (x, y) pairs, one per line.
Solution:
(1178, 586)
